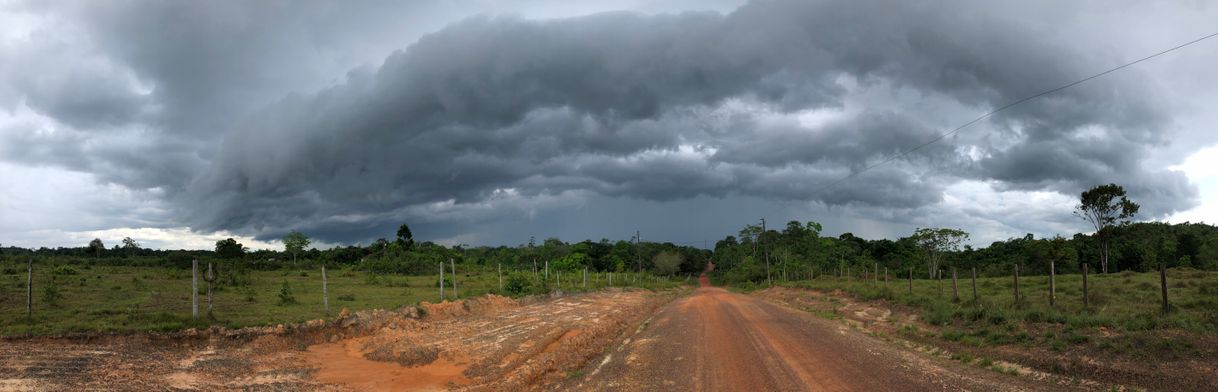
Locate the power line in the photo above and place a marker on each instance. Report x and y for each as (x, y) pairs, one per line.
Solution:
(1005, 107)
(993, 112)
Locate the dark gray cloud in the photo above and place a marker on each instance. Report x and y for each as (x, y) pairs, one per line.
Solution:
(259, 118)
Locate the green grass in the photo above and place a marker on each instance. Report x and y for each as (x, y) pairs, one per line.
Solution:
(1124, 301)
(120, 299)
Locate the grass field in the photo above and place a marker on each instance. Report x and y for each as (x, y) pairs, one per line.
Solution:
(1125, 313)
(115, 299)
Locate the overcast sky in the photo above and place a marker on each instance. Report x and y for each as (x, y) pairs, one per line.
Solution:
(488, 122)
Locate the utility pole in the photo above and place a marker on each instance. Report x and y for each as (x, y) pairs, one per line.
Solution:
(765, 249)
(638, 242)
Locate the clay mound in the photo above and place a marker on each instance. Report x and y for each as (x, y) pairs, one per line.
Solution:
(480, 306)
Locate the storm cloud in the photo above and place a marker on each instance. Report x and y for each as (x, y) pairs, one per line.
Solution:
(220, 112)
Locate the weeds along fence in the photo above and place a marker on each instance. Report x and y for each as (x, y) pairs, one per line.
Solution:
(1177, 297)
(40, 296)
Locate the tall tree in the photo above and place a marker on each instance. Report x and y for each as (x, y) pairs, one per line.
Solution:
(405, 238)
(294, 243)
(96, 247)
(229, 248)
(1105, 207)
(130, 246)
(936, 242)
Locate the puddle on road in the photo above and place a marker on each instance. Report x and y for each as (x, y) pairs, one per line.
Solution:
(342, 363)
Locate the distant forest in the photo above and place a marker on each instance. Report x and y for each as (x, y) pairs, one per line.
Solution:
(797, 249)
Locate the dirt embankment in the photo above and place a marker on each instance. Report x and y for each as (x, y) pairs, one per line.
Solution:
(1075, 366)
(487, 343)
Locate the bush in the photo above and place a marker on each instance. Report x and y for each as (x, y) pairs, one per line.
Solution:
(285, 295)
(51, 294)
(346, 297)
(63, 270)
(518, 284)
(937, 314)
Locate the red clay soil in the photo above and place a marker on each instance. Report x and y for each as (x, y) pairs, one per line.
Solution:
(483, 344)
(715, 340)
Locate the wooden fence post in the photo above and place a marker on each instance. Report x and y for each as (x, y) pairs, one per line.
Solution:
(1017, 284)
(1163, 286)
(955, 293)
(939, 278)
(456, 294)
(885, 275)
(325, 292)
(911, 280)
(1086, 300)
(194, 289)
(974, 284)
(209, 278)
(585, 278)
(1052, 287)
(875, 276)
(29, 289)
(500, 266)
(441, 281)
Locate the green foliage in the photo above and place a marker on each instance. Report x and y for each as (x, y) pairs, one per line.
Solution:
(229, 248)
(285, 295)
(405, 238)
(667, 263)
(295, 242)
(63, 270)
(51, 294)
(518, 284)
(570, 263)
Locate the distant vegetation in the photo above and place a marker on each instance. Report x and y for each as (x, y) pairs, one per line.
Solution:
(798, 249)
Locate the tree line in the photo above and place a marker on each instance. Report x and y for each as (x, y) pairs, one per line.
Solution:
(756, 254)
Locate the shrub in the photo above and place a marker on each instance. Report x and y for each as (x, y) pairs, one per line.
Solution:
(937, 314)
(517, 284)
(346, 297)
(63, 270)
(51, 294)
(285, 295)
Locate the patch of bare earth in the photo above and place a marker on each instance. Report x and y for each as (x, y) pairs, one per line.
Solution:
(486, 343)
(1076, 366)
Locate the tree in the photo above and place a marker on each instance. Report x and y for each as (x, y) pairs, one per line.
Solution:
(1105, 207)
(667, 263)
(405, 238)
(229, 248)
(96, 247)
(936, 242)
(130, 245)
(295, 242)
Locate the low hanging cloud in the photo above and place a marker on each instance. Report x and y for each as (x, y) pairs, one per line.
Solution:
(665, 107)
(773, 100)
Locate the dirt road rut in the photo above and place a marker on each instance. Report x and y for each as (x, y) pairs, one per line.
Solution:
(715, 340)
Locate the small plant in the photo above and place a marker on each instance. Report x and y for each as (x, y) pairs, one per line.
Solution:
(51, 294)
(248, 294)
(285, 295)
(346, 297)
(63, 270)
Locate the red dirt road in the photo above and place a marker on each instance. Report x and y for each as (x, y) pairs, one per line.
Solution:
(715, 340)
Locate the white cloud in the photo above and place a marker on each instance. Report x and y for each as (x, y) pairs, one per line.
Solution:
(1202, 169)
